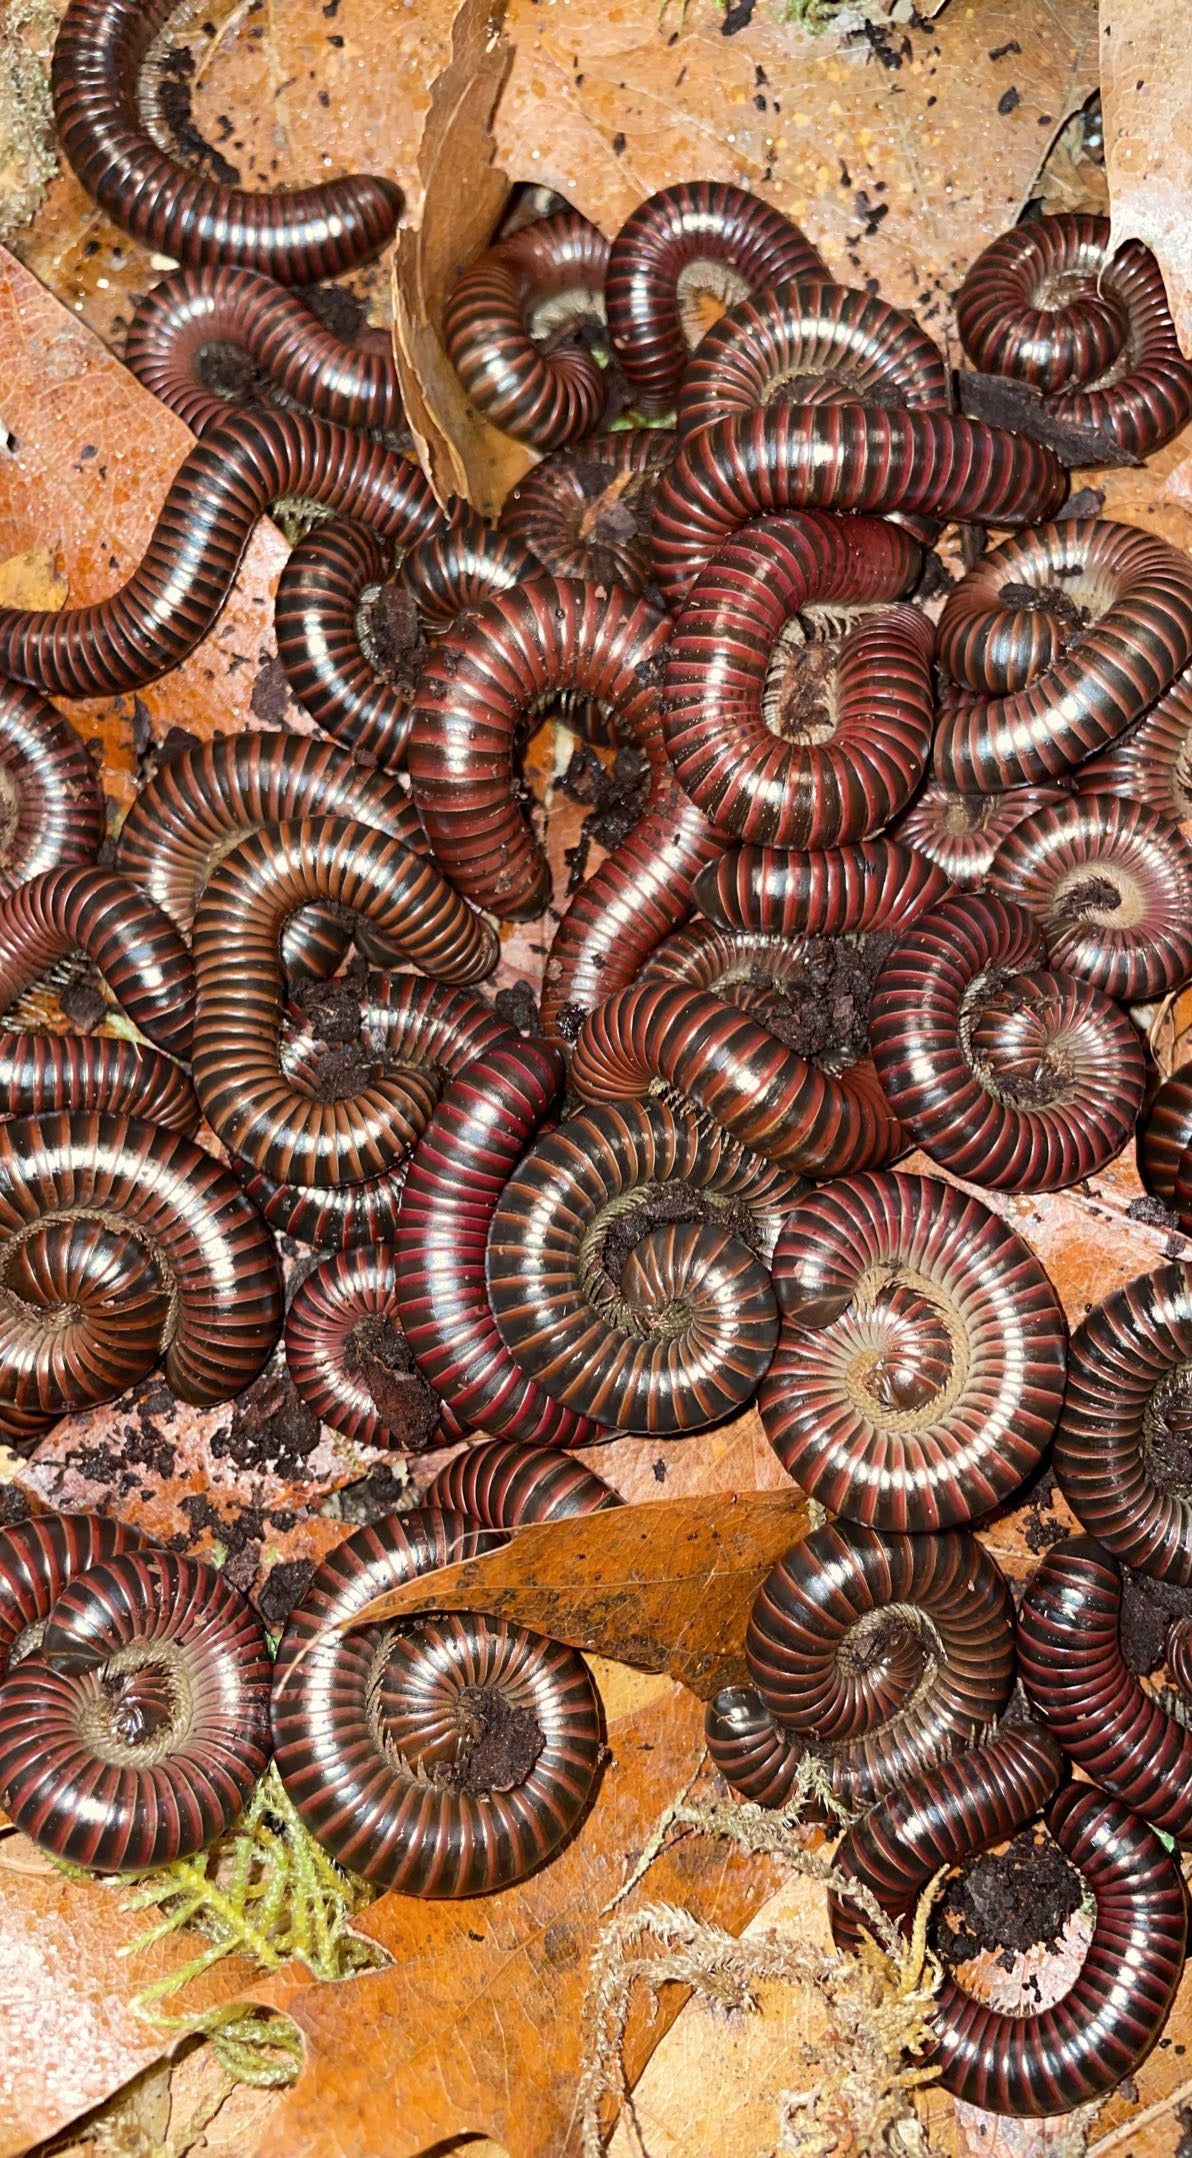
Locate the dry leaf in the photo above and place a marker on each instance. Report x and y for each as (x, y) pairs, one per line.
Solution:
(476, 2027)
(33, 579)
(666, 1587)
(1146, 97)
(465, 191)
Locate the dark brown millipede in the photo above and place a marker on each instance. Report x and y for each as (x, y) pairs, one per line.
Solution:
(500, 315)
(51, 803)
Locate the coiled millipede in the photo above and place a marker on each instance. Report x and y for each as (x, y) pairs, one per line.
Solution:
(506, 325)
(37, 1559)
(585, 511)
(961, 833)
(297, 237)
(347, 1356)
(920, 1368)
(1152, 762)
(1164, 1141)
(878, 1655)
(137, 1730)
(1019, 1078)
(135, 947)
(51, 802)
(443, 1756)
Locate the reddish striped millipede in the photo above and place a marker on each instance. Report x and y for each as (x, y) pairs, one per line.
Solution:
(585, 511)
(61, 1071)
(503, 315)
(353, 384)
(203, 801)
(1046, 2060)
(919, 1372)
(343, 1351)
(809, 343)
(1018, 1078)
(787, 1109)
(296, 237)
(475, 1139)
(961, 833)
(51, 802)
(38, 1558)
(1110, 884)
(138, 1729)
(1038, 689)
(136, 947)
(322, 620)
(1164, 1141)
(1152, 763)
(269, 1121)
(1129, 1359)
(664, 1332)
(380, 1733)
(121, 1245)
(880, 1655)
(841, 769)
(179, 585)
(703, 236)
(845, 458)
(1048, 304)
(843, 891)
(477, 691)
(421, 1034)
(499, 1484)
(1072, 1666)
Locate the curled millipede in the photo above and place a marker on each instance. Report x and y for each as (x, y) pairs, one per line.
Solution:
(919, 1372)
(850, 750)
(481, 1128)
(786, 1108)
(134, 945)
(1050, 2059)
(476, 694)
(176, 323)
(137, 1731)
(961, 833)
(1021, 1079)
(297, 237)
(37, 1559)
(51, 803)
(1110, 883)
(1049, 304)
(178, 587)
(500, 1484)
(59, 1071)
(809, 343)
(844, 891)
(271, 1122)
(845, 458)
(1056, 641)
(510, 327)
(639, 894)
(323, 621)
(421, 1034)
(585, 511)
(1070, 1658)
(1152, 763)
(626, 1267)
(347, 1356)
(701, 237)
(390, 1739)
(1127, 1383)
(122, 1245)
(880, 1655)
(202, 802)
(1164, 1140)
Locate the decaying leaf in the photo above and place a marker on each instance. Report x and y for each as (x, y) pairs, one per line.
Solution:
(476, 2028)
(464, 192)
(666, 1587)
(1146, 97)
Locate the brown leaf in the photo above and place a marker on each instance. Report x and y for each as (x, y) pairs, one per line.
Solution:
(476, 2027)
(465, 190)
(1146, 95)
(665, 1587)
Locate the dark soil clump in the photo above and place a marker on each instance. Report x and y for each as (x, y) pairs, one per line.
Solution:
(820, 1006)
(284, 1590)
(1007, 1901)
(379, 1356)
(339, 311)
(396, 646)
(1083, 897)
(1149, 1608)
(84, 1004)
(14, 1506)
(517, 1007)
(499, 1744)
(177, 67)
(375, 1495)
(271, 1429)
(230, 372)
(1153, 1212)
(616, 800)
(668, 1203)
(1047, 599)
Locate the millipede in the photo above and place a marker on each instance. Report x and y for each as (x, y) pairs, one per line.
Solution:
(585, 511)
(347, 1356)
(39, 1072)
(1152, 761)
(296, 237)
(135, 947)
(51, 802)
(961, 833)
(37, 1559)
(500, 1484)
(505, 327)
